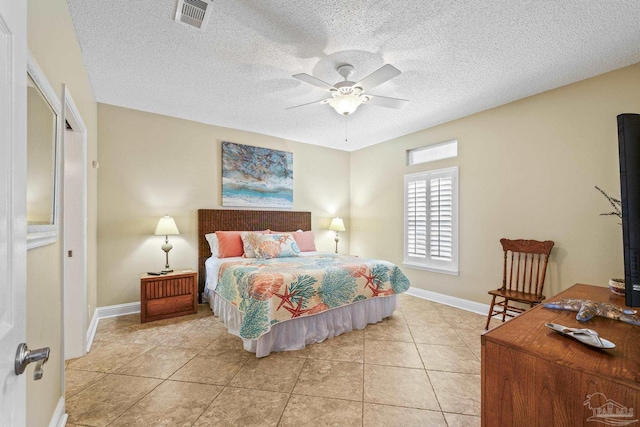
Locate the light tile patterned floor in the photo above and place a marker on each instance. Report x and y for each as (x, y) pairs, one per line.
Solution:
(420, 367)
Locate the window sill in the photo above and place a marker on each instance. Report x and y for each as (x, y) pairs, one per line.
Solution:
(431, 269)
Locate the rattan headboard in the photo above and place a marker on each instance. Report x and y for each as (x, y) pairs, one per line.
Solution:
(212, 220)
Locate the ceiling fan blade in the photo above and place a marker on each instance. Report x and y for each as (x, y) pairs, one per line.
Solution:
(322, 101)
(383, 101)
(313, 81)
(381, 75)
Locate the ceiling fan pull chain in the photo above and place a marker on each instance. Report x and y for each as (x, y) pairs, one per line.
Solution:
(346, 134)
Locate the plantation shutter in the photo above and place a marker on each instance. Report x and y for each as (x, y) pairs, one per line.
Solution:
(417, 218)
(431, 235)
(441, 218)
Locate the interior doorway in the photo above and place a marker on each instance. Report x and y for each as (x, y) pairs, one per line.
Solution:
(74, 230)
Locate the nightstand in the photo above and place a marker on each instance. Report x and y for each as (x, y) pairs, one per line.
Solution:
(169, 295)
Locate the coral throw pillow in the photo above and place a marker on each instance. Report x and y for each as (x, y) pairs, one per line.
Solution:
(305, 240)
(277, 246)
(230, 243)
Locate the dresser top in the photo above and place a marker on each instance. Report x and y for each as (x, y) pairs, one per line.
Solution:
(175, 272)
(529, 334)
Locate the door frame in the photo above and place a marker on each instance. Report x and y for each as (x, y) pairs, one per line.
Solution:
(71, 114)
(13, 204)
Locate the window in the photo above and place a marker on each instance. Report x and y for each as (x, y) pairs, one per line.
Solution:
(433, 152)
(431, 220)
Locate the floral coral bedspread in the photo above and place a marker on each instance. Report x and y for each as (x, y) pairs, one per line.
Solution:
(275, 290)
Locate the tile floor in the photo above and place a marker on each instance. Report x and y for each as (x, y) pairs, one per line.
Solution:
(420, 367)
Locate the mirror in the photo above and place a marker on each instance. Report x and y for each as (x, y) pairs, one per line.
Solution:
(43, 130)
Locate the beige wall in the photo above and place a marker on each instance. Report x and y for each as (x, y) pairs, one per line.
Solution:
(51, 39)
(151, 165)
(527, 170)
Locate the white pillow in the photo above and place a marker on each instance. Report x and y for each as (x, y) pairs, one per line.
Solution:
(213, 243)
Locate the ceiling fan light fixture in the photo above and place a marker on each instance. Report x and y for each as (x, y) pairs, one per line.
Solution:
(347, 96)
(345, 104)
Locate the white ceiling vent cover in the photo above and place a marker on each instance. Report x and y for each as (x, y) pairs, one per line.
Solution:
(194, 12)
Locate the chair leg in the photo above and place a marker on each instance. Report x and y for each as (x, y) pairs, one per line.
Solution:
(490, 314)
(504, 312)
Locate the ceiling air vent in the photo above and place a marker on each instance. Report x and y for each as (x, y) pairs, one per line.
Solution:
(193, 12)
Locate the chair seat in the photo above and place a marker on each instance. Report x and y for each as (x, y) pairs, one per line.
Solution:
(518, 296)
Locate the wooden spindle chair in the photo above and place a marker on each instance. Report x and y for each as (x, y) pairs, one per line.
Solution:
(524, 269)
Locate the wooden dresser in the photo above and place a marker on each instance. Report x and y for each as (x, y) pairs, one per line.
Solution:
(534, 376)
(169, 295)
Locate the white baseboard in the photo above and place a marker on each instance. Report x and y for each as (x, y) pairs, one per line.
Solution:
(91, 332)
(109, 311)
(464, 304)
(59, 418)
(118, 310)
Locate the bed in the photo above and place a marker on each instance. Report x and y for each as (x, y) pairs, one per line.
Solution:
(287, 303)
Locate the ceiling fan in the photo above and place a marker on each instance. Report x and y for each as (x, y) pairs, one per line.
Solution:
(347, 96)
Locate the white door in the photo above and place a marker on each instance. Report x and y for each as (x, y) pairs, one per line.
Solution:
(75, 295)
(13, 192)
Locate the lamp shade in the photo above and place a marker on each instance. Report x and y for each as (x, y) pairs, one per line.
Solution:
(337, 224)
(166, 227)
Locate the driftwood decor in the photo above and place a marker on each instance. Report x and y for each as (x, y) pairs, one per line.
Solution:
(587, 309)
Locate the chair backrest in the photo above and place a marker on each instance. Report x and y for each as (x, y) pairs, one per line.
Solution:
(525, 265)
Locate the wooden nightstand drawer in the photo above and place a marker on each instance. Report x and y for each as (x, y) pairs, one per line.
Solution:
(170, 295)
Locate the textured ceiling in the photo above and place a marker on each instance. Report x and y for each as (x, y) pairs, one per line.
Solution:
(457, 57)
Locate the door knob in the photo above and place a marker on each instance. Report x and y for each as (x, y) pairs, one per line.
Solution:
(24, 356)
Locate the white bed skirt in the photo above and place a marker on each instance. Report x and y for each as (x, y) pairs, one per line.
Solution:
(295, 334)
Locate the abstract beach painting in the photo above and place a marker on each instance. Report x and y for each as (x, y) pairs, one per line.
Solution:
(256, 177)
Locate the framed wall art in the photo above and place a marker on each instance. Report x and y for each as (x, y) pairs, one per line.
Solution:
(256, 177)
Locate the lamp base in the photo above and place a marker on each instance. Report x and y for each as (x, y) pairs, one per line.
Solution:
(166, 248)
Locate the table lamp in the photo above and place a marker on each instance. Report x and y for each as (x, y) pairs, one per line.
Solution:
(166, 227)
(337, 225)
